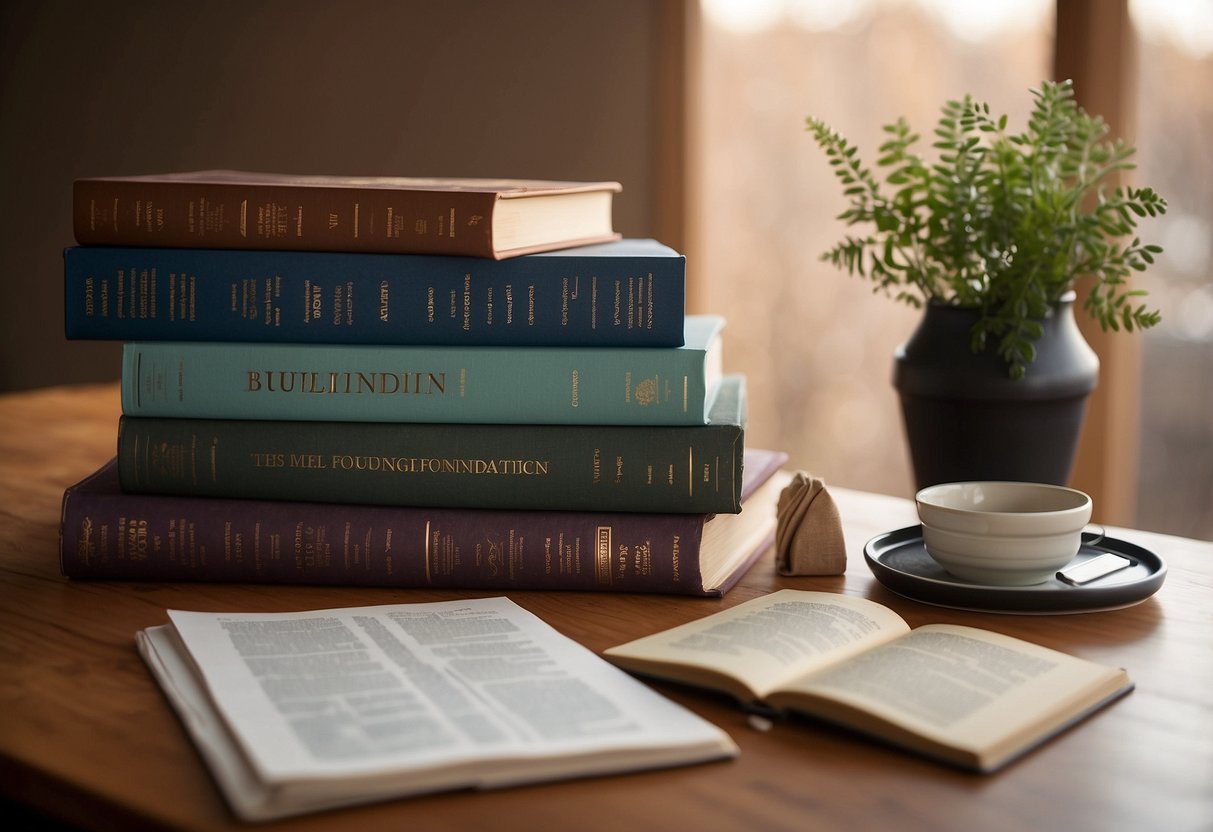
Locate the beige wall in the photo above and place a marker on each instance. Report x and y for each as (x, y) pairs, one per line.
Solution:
(529, 88)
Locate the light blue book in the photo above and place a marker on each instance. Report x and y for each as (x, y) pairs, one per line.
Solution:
(483, 385)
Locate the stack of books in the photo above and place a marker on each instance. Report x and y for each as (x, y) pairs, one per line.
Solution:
(398, 382)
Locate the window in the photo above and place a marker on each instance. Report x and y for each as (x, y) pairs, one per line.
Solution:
(1174, 133)
(816, 344)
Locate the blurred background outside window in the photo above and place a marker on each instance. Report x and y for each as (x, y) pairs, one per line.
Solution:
(1175, 155)
(816, 344)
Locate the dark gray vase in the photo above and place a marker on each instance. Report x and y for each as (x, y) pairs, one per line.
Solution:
(966, 419)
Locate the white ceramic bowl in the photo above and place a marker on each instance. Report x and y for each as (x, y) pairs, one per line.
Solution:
(1002, 533)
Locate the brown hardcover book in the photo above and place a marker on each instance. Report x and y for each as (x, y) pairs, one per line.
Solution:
(494, 218)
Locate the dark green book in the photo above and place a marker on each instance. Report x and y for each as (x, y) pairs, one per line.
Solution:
(676, 469)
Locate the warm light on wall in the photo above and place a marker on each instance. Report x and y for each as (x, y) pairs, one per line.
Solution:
(1184, 24)
(970, 21)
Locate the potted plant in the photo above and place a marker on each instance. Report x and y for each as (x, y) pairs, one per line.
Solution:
(990, 240)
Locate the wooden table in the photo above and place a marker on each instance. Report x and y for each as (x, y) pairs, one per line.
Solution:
(86, 736)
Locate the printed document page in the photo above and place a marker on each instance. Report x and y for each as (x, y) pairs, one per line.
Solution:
(392, 700)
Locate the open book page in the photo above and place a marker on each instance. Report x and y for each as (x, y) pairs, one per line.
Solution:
(751, 649)
(984, 694)
(339, 706)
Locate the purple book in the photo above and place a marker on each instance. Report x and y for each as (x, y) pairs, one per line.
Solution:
(108, 534)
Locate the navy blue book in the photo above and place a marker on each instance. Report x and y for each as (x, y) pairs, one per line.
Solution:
(623, 293)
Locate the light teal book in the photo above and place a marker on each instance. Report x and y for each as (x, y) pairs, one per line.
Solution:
(413, 384)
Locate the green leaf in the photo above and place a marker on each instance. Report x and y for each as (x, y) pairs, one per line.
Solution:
(1002, 222)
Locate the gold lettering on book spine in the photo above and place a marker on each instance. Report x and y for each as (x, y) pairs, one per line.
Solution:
(427, 551)
(84, 546)
(439, 465)
(648, 321)
(690, 472)
(594, 302)
(423, 383)
(602, 555)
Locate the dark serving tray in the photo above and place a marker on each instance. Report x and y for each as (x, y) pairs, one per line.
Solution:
(900, 562)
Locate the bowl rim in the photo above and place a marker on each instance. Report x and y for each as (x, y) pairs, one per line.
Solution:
(923, 497)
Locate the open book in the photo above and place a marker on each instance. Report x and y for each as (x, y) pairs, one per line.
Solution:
(966, 696)
(296, 712)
